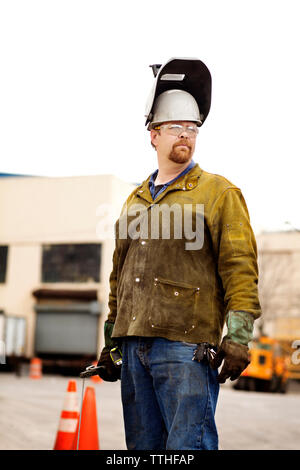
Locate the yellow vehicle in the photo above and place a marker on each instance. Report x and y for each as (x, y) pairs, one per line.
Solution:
(268, 369)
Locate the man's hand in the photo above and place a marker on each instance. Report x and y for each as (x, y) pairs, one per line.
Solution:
(111, 373)
(236, 359)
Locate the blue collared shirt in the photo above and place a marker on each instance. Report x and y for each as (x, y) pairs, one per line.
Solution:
(153, 176)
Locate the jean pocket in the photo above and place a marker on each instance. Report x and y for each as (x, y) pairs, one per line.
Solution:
(174, 305)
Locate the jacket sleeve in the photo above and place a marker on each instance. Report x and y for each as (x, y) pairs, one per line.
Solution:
(117, 260)
(235, 250)
(112, 298)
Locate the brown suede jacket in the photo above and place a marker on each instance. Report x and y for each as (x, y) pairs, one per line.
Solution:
(164, 285)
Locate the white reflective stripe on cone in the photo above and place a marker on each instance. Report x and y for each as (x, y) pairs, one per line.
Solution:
(70, 403)
(68, 425)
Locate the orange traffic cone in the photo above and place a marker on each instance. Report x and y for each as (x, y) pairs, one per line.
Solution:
(95, 378)
(68, 419)
(88, 439)
(35, 370)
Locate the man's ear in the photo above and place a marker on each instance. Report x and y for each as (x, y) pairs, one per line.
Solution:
(153, 136)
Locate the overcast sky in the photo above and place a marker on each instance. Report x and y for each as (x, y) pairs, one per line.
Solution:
(75, 78)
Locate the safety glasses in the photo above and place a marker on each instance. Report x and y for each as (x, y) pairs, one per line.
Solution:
(177, 129)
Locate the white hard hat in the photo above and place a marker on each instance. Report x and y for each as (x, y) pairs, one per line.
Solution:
(175, 105)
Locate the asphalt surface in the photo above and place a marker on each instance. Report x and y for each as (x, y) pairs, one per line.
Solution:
(30, 412)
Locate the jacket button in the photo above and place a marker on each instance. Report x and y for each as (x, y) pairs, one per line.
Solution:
(143, 242)
(133, 318)
(137, 279)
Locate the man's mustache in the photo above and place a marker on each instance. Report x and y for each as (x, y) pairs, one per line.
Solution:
(182, 143)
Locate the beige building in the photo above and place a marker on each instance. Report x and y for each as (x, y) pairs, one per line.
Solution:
(279, 284)
(56, 246)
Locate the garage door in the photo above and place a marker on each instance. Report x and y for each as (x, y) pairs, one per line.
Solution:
(71, 332)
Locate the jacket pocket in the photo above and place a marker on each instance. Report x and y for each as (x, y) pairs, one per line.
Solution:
(173, 305)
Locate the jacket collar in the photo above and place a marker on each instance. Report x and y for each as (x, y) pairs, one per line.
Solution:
(186, 182)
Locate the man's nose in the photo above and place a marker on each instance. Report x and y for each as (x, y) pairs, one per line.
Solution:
(183, 134)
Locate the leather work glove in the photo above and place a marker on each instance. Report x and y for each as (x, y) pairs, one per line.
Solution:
(236, 359)
(240, 326)
(110, 373)
(234, 347)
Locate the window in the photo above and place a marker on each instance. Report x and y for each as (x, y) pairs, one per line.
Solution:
(71, 263)
(261, 360)
(266, 347)
(3, 262)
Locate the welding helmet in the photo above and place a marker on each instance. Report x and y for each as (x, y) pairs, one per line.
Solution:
(181, 92)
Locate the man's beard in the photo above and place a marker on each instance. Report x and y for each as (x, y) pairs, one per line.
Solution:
(182, 154)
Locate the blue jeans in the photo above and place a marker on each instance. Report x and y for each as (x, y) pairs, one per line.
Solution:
(169, 401)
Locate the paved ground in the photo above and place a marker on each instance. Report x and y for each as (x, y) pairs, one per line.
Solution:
(30, 411)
